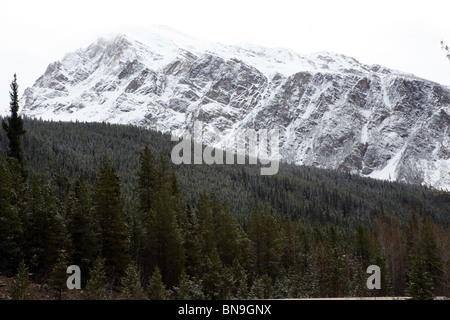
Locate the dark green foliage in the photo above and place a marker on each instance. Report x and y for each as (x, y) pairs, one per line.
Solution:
(98, 287)
(205, 220)
(130, 284)
(20, 289)
(14, 128)
(11, 230)
(136, 228)
(82, 227)
(427, 267)
(306, 193)
(107, 203)
(214, 280)
(160, 212)
(166, 240)
(227, 236)
(264, 232)
(44, 229)
(156, 288)
(146, 181)
(189, 288)
(210, 232)
(58, 277)
(192, 244)
(420, 282)
(262, 288)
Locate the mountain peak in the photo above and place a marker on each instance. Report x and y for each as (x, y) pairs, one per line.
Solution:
(332, 111)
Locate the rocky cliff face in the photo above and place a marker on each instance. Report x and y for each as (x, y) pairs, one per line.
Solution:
(332, 111)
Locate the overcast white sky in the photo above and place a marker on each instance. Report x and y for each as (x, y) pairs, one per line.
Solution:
(404, 35)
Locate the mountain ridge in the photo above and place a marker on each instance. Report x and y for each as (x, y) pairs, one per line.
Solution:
(332, 111)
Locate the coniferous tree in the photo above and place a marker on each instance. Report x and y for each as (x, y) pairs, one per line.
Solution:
(363, 245)
(15, 128)
(240, 281)
(162, 223)
(227, 284)
(136, 230)
(264, 233)
(192, 244)
(58, 277)
(213, 276)
(337, 278)
(143, 220)
(426, 269)
(262, 288)
(130, 284)
(227, 236)
(146, 180)
(205, 220)
(20, 289)
(11, 230)
(291, 245)
(163, 172)
(44, 231)
(162, 213)
(420, 280)
(82, 228)
(429, 249)
(284, 287)
(156, 288)
(189, 288)
(167, 237)
(97, 287)
(61, 188)
(107, 203)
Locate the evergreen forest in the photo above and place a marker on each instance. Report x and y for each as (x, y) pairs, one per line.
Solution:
(108, 199)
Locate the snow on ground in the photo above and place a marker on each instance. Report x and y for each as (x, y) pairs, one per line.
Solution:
(389, 171)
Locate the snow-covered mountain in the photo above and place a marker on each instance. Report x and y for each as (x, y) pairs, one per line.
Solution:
(331, 110)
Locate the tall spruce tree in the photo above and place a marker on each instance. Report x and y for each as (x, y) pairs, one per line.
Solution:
(107, 201)
(337, 278)
(97, 287)
(11, 230)
(162, 211)
(426, 267)
(192, 244)
(264, 232)
(227, 236)
(20, 289)
(44, 230)
(136, 230)
(146, 180)
(167, 240)
(189, 288)
(57, 280)
(130, 284)
(205, 218)
(82, 228)
(213, 276)
(145, 192)
(14, 128)
(420, 280)
(156, 289)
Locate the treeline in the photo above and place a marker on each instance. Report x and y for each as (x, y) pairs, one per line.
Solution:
(308, 193)
(155, 245)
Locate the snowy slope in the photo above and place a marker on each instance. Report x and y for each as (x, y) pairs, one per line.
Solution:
(332, 111)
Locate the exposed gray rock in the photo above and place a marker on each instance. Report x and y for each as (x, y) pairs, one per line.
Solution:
(333, 112)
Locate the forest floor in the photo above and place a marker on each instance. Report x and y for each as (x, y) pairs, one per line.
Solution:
(39, 292)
